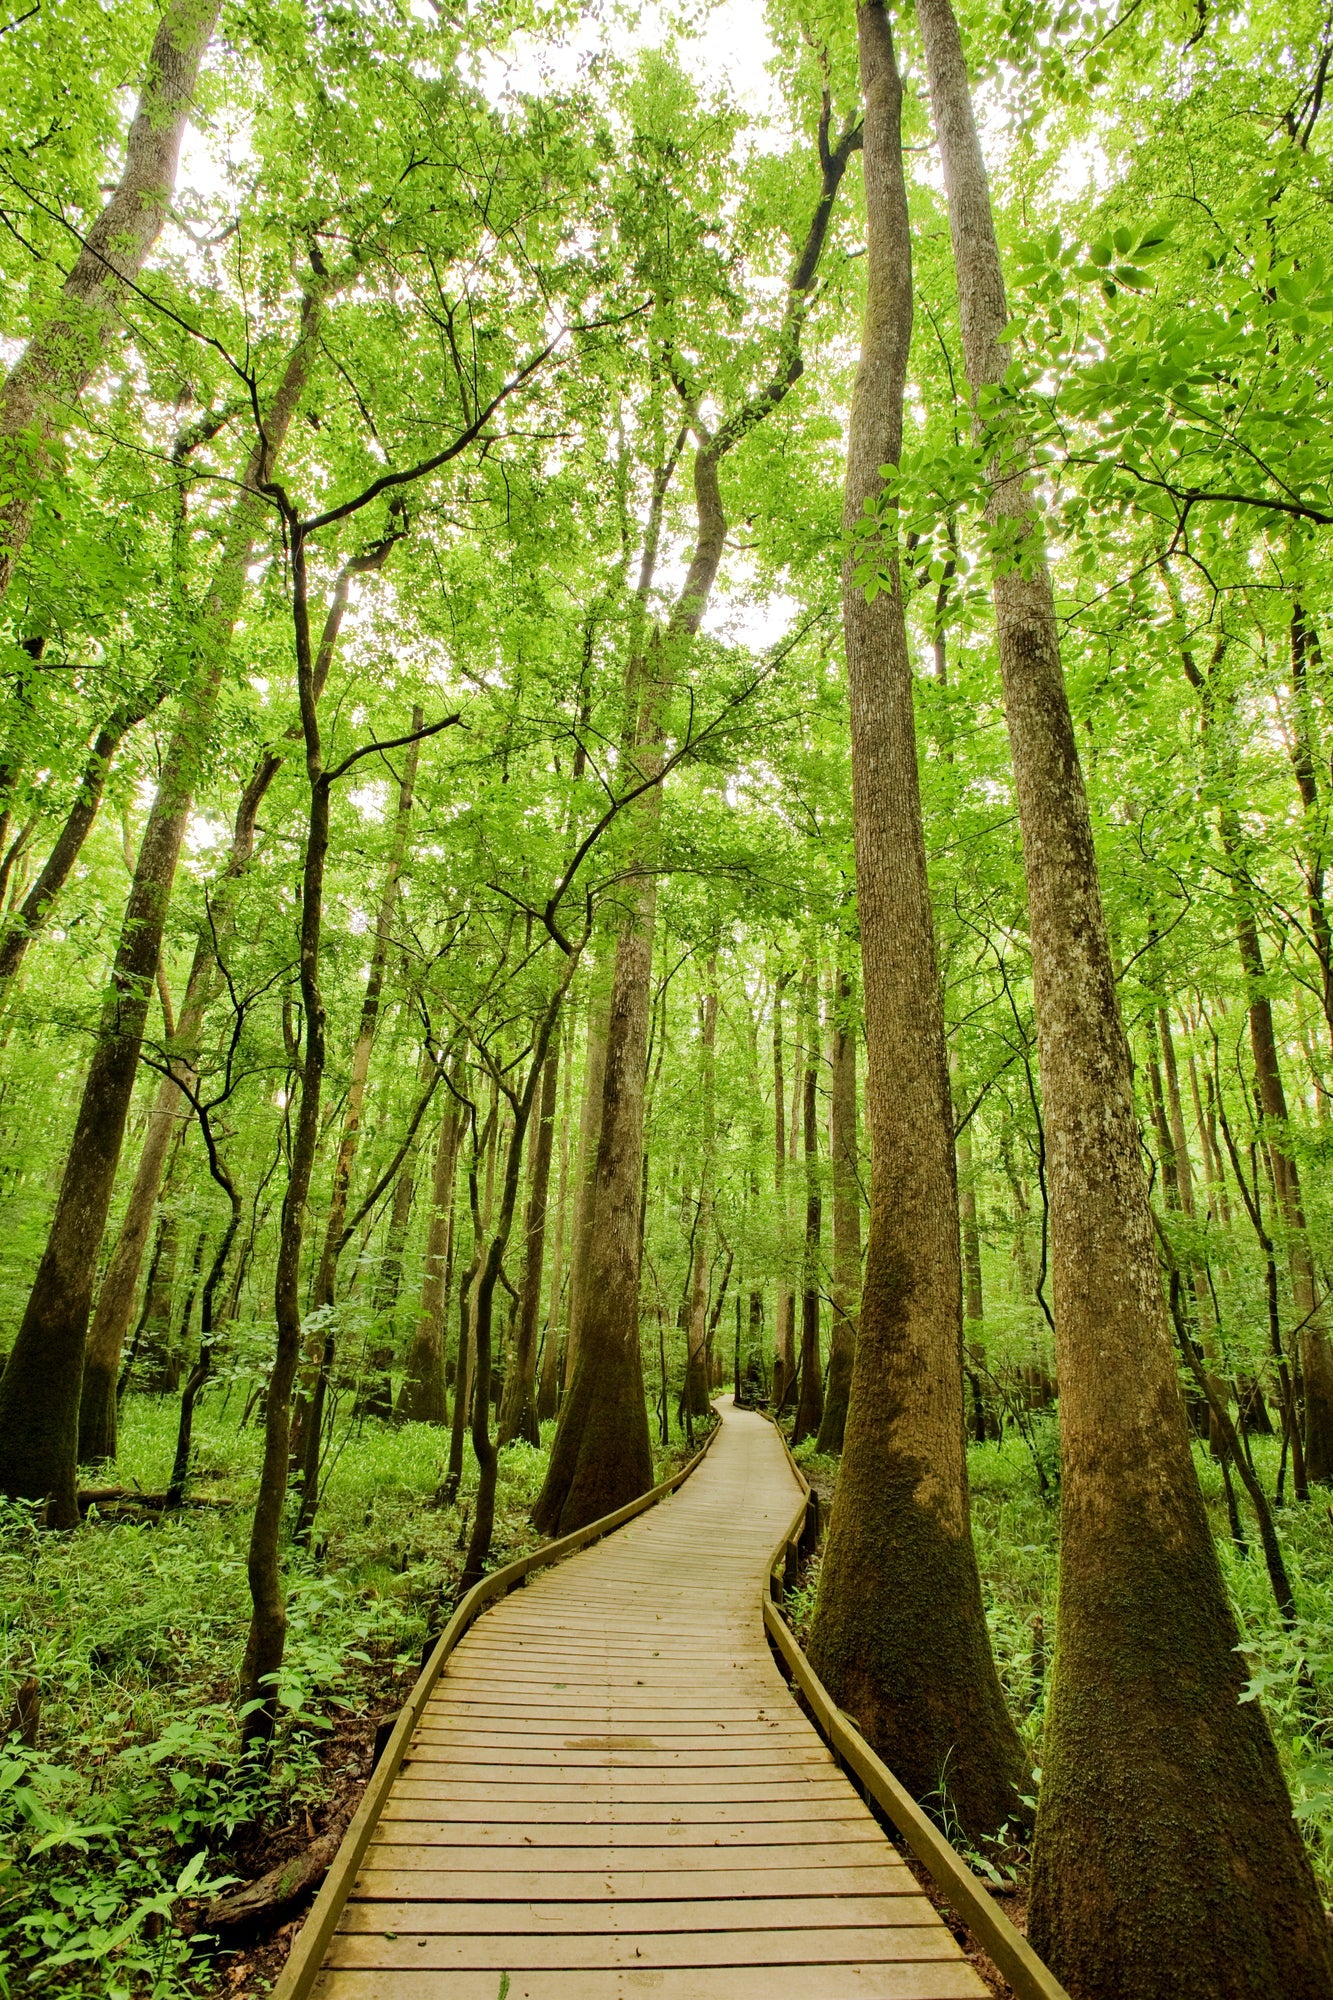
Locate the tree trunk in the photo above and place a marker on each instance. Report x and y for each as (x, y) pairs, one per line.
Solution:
(784, 1338)
(698, 1390)
(483, 1446)
(974, 1308)
(267, 1637)
(518, 1410)
(1316, 1351)
(318, 1360)
(899, 1635)
(1305, 761)
(810, 1406)
(115, 1299)
(326, 1274)
(548, 1390)
(160, 1302)
(39, 1393)
(1129, 1893)
(590, 1117)
(843, 1153)
(389, 1279)
(422, 1399)
(69, 842)
(602, 1454)
(375, 1395)
(62, 356)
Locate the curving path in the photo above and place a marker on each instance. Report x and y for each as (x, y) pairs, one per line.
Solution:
(613, 1794)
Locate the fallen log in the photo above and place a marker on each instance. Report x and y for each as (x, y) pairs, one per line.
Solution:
(257, 1904)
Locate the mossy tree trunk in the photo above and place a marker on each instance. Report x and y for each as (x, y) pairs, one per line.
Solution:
(1166, 1858)
(899, 1634)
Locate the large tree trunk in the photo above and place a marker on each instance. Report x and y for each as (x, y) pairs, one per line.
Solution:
(39, 1393)
(900, 1634)
(1130, 1893)
(843, 1154)
(61, 358)
(115, 1299)
(810, 1404)
(518, 1409)
(422, 1399)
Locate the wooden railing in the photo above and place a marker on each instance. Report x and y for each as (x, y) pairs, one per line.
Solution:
(965, 1892)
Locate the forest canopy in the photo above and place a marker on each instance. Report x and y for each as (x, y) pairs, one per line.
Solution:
(666, 727)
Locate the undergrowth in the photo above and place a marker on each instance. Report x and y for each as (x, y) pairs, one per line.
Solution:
(135, 1793)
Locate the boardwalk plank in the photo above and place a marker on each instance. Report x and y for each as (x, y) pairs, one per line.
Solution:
(827, 1982)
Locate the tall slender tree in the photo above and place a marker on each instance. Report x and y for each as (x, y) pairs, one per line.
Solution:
(899, 1634)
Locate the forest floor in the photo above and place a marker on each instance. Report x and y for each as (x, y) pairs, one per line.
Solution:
(132, 1810)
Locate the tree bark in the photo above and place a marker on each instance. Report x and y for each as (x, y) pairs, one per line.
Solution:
(1129, 1893)
(843, 1154)
(39, 1393)
(63, 355)
(899, 1635)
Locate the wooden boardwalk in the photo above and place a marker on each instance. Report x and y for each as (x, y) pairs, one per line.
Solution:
(611, 1793)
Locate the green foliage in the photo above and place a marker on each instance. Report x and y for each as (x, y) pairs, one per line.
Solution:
(122, 1820)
